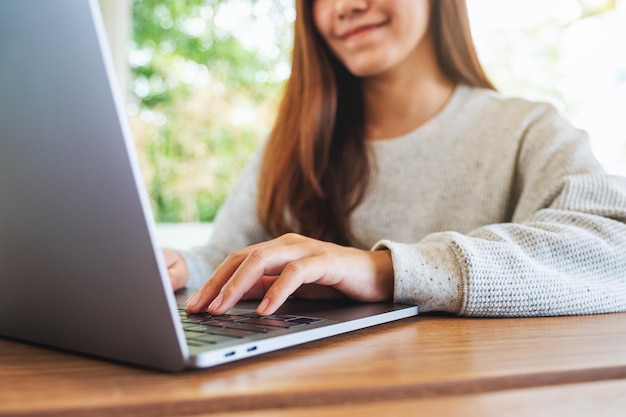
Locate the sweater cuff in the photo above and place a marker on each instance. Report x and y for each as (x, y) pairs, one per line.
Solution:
(198, 268)
(425, 274)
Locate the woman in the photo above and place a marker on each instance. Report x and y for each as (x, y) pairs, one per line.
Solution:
(394, 170)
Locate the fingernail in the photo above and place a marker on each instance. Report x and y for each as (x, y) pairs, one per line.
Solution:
(217, 302)
(193, 300)
(263, 306)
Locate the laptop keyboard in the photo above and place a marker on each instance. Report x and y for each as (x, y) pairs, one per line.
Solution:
(203, 329)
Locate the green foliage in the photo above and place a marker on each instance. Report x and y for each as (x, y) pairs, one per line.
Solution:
(204, 99)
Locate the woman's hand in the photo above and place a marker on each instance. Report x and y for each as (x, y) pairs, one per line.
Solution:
(276, 269)
(177, 268)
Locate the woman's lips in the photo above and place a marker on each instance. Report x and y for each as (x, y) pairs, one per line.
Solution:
(361, 30)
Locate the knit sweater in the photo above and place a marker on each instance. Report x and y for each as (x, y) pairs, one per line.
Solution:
(495, 207)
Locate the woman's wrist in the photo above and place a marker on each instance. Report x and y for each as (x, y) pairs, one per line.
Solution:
(384, 272)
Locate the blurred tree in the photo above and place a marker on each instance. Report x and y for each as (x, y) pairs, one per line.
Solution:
(203, 97)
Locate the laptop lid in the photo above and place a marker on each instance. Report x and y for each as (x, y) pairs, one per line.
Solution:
(80, 267)
(76, 249)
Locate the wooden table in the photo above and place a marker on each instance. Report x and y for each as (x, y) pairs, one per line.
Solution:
(444, 364)
(606, 399)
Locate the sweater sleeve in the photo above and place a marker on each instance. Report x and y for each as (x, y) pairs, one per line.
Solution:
(562, 252)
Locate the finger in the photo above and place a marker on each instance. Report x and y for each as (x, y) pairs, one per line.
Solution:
(176, 268)
(199, 301)
(211, 289)
(210, 292)
(294, 275)
(259, 289)
(260, 262)
(177, 278)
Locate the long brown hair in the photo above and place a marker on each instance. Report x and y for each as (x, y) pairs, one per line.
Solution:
(315, 167)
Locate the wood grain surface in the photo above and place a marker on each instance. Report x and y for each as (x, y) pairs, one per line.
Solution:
(417, 359)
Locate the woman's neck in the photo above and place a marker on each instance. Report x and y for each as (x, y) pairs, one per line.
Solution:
(404, 98)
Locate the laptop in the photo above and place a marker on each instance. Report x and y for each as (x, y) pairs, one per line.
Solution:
(81, 269)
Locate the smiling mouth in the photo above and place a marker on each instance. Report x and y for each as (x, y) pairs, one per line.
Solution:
(362, 30)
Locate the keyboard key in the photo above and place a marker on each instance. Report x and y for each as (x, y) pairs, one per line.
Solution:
(270, 322)
(192, 319)
(305, 320)
(229, 317)
(228, 332)
(241, 326)
(191, 327)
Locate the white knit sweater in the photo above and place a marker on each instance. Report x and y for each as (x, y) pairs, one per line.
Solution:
(495, 207)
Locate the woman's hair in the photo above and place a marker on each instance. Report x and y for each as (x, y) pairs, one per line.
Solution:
(315, 167)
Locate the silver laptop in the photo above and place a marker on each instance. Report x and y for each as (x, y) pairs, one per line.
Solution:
(80, 268)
